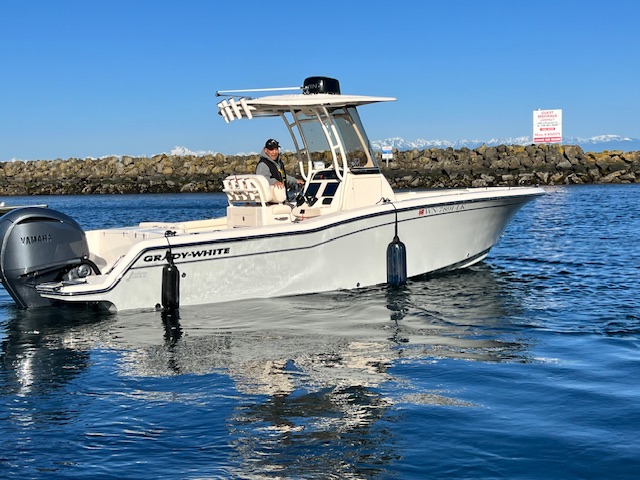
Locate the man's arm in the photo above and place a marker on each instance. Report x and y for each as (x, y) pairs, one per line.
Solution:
(263, 169)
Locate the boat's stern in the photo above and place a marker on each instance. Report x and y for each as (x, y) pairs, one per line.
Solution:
(39, 245)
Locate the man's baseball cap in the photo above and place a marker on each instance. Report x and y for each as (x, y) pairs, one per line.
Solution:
(271, 144)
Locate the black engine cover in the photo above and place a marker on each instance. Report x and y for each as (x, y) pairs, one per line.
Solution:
(321, 85)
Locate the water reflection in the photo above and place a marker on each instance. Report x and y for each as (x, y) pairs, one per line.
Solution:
(313, 376)
(465, 315)
(318, 373)
(273, 346)
(326, 433)
(39, 351)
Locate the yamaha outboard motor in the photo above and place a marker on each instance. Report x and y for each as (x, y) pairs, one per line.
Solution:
(39, 245)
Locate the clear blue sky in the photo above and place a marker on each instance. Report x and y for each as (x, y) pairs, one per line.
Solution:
(92, 78)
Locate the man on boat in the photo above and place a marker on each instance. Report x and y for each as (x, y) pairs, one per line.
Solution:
(271, 166)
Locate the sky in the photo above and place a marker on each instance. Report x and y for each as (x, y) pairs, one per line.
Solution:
(93, 78)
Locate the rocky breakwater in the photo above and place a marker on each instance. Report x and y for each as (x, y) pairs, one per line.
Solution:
(429, 168)
(509, 166)
(158, 174)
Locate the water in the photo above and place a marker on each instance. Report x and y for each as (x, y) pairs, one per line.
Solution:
(525, 366)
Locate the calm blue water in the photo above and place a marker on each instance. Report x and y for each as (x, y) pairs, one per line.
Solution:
(524, 367)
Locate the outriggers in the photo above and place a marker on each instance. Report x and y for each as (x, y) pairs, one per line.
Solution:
(346, 230)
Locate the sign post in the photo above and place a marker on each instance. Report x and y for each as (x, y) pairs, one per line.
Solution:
(387, 153)
(547, 126)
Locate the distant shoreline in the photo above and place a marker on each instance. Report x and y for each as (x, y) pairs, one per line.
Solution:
(503, 165)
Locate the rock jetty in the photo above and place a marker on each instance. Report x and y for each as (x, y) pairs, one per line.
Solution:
(430, 168)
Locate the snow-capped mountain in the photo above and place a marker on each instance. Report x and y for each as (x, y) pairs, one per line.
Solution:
(178, 151)
(591, 144)
(598, 143)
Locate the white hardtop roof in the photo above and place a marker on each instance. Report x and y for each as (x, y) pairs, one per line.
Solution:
(239, 107)
(315, 99)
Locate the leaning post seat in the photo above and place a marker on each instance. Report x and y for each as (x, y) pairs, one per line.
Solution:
(252, 189)
(253, 202)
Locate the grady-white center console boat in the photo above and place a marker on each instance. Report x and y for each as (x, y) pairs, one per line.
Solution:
(347, 229)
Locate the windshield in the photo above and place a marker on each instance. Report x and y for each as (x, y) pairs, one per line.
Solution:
(354, 138)
(318, 136)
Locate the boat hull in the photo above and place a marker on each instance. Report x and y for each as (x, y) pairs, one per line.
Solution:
(344, 250)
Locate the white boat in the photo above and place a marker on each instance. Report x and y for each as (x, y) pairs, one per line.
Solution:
(348, 229)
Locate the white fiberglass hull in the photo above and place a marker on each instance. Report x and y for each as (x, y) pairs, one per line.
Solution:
(343, 250)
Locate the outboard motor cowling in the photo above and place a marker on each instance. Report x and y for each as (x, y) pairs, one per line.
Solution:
(38, 245)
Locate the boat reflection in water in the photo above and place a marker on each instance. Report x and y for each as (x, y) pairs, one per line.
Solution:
(42, 350)
(316, 368)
